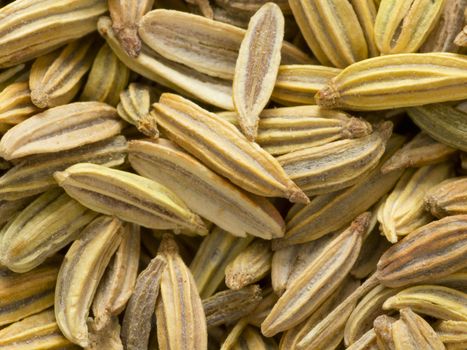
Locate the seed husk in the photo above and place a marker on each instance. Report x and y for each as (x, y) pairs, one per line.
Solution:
(32, 28)
(39, 331)
(107, 78)
(400, 80)
(257, 66)
(448, 198)
(433, 300)
(60, 129)
(56, 78)
(34, 174)
(27, 293)
(79, 277)
(138, 316)
(432, 251)
(16, 104)
(220, 146)
(131, 197)
(45, 226)
(250, 266)
(204, 192)
(402, 26)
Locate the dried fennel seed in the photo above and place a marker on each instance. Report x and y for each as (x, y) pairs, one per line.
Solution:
(150, 152)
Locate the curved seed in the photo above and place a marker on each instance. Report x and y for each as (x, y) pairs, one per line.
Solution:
(282, 264)
(448, 198)
(366, 342)
(220, 146)
(34, 174)
(249, 266)
(118, 282)
(80, 273)
(336, 165)
(318, 218)
(181, 322)
(436, 301)
(206, 193)
(452, 333)
(45, 226)
(403, 211)
(461, 38)
(126, 16)
(298, 84)
(403, 25)
(214, 253)
(257, 66)
(288, 129)
(130, 197)
(139, 312)
(15, 74)
(25, 294)
(442, 122)
(432, 251)
(8, 209)
(317, 281)
(152, 66)
(401, 80)
(367, 310)
(441, 38)
(39, 331)
(421, 150)
(61, 128)
(56, 78)
(16, 104)
(210, 47)
(134, 107)
(366, 13)
(25, 24)
(107, 78)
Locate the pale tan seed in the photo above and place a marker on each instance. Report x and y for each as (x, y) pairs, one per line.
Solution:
(448, 198)
(336, 165)
(16, 104)
(400, 80)
(220, 146)
(139, 312)
(432, 251)
(366, 13)
(25, 294)
(383, 330)
(403, 25)
(34, 174)
(134, 107)
(452, 333)
(181, 322)
(329, 212)
(126, 16)
(131, 197)
(118, 282)
(8, 209)
(214, 253)
(56, 78)
(80, 273)
(433, 300)
(204, 192)
(39, 331)
(332, 31)
(421, 150)
(317, 281)
(366, 342)
(45, 226)
(250, 266)
(15, 74)
(181, 78)
(210, 47)
(31, 28)
(413, 332)
(442, 122)
(61, 128)
(229, 306)
(404, 209)
(107, 78)
(257, 66)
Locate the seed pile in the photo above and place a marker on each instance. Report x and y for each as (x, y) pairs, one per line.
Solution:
(233, 174)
